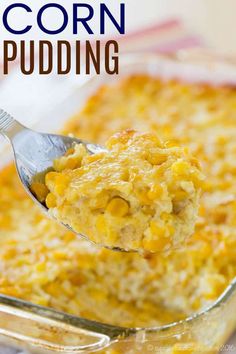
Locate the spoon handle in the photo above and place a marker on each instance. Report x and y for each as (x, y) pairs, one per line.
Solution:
(9, 127)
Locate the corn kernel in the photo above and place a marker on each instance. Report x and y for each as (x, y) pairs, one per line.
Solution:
(42, 301)
(155, 192)
(51, 201)
(166, 217)
(5, 221)
(170, 230)
(156, 158)
(120, 138)
(71, 163)
(98, 295)
(60, 189)
(143, 197)
(180, 167)
(53, 289)
(9, 253)
(76, 278)
(50, 177)
(10, 291)
(118, 207)
(60, 255)
(180, 195)
(159, 231)
(61, 179)
(39, 190)
(101, 224)
(69, 236)
(40, 267)
(111, 236)
(197, 180)
(155, 245)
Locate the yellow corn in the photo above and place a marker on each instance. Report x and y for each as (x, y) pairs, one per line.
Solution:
(42, 301)
(50, 177)
(53, 289)
(39, 190)
(143, 197)
(118, 207)
(159, 231)
(60, 189)
(155, 192)
(101, 224)
(10, 253)
(180, 167)
(156, 158)
(179, 195)
(69, 236)
(71, 163)
(197, 180)
(170, 230)
(51, 201)
(5, 221)
(155, 245)
(166, 217)
(40, 267)
(60, 255)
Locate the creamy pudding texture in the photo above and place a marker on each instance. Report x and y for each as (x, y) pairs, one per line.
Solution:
(139, 195)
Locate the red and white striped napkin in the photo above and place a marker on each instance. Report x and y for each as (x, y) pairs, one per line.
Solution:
(165, 37)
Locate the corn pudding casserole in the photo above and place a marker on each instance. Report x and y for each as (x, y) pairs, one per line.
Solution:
(139, 194)
(42, 262)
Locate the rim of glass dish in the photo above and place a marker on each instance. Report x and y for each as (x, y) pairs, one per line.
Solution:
(112, 331)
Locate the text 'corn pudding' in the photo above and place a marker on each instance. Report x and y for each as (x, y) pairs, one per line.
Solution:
(139, 194)
(42, 262)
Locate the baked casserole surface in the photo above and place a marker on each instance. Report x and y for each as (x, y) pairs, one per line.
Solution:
(40, 261)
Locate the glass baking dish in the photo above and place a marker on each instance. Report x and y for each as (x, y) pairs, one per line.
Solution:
(44, 330)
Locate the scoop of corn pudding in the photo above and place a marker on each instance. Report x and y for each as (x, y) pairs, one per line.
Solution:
(139, 195)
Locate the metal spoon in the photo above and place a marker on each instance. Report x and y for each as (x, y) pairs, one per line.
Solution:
(34, 153)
